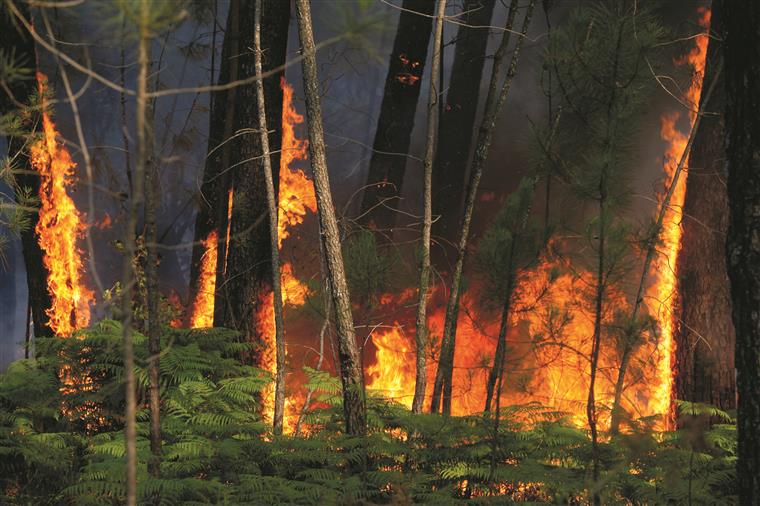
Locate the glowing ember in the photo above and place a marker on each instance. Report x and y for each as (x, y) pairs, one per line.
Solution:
(58, 229)
(203, 307)
(661, 296)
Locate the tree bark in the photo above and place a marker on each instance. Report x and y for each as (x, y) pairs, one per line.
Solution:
(128, 279)
(705, 336)
(501, 350)
(151, 285)
(421, 328)
(632, 338)
(396, 122)
(350, 362)
(495, 99)
(742, 122)
(279, 323)
(246, 281)
(212, 199)
(458, 118)
(16, 40)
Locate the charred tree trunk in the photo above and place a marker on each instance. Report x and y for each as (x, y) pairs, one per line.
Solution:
(705, 336)
(397, 111)
(212, 198)
(742, 122)
(352, 376)
(15, 39)
(442, 389)
(246, 281)
(458, 118)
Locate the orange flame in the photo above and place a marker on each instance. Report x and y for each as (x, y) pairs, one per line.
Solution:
(203, 307)
(230, 198)
(662, 294)
(549, 340)
(393, 373)
(296, 195)
(59, 227)
(296, 200)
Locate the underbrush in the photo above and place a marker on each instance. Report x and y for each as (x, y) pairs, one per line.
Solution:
(61, 440)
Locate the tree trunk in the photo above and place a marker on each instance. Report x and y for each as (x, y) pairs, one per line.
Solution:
(596, 340)
(128, 279)
(397, 111)
(495, 99)
(458, 118)
(151, 285)
(705, 336)
(246, 282)
(350, 362)
(421, 328)
(212, 199)
(279, 389)
(15, 39)
(501, 350)
(633, 336)
(742, 122)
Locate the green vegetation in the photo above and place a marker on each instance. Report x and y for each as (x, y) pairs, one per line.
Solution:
(64, 444)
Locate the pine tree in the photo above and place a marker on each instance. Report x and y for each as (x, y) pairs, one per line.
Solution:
(595, 57)
(396, 121)
(18, 51)
(742, 63)
(495, 99)
(247, 278)
(421, 327)
(212, 199)
(458, 117)
(352, 376)
(705, 336)
(279, 388)
(511, 245)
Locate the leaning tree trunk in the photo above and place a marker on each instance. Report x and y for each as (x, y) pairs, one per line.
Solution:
(458, 119)
(212, 198)
(246, 282)
(442, 388)
(421, 327)
(394, 126)
(351, 373)
(279, 323)
(705, 336)
(17, 41)
(631, 339)
(742, 123)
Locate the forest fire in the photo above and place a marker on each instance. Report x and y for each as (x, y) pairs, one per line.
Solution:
(59, 228)
(550, 329)
(296, 192)
(583, 293)
(553, 369)
(202, 314)
(296, 200)
(662, 295)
